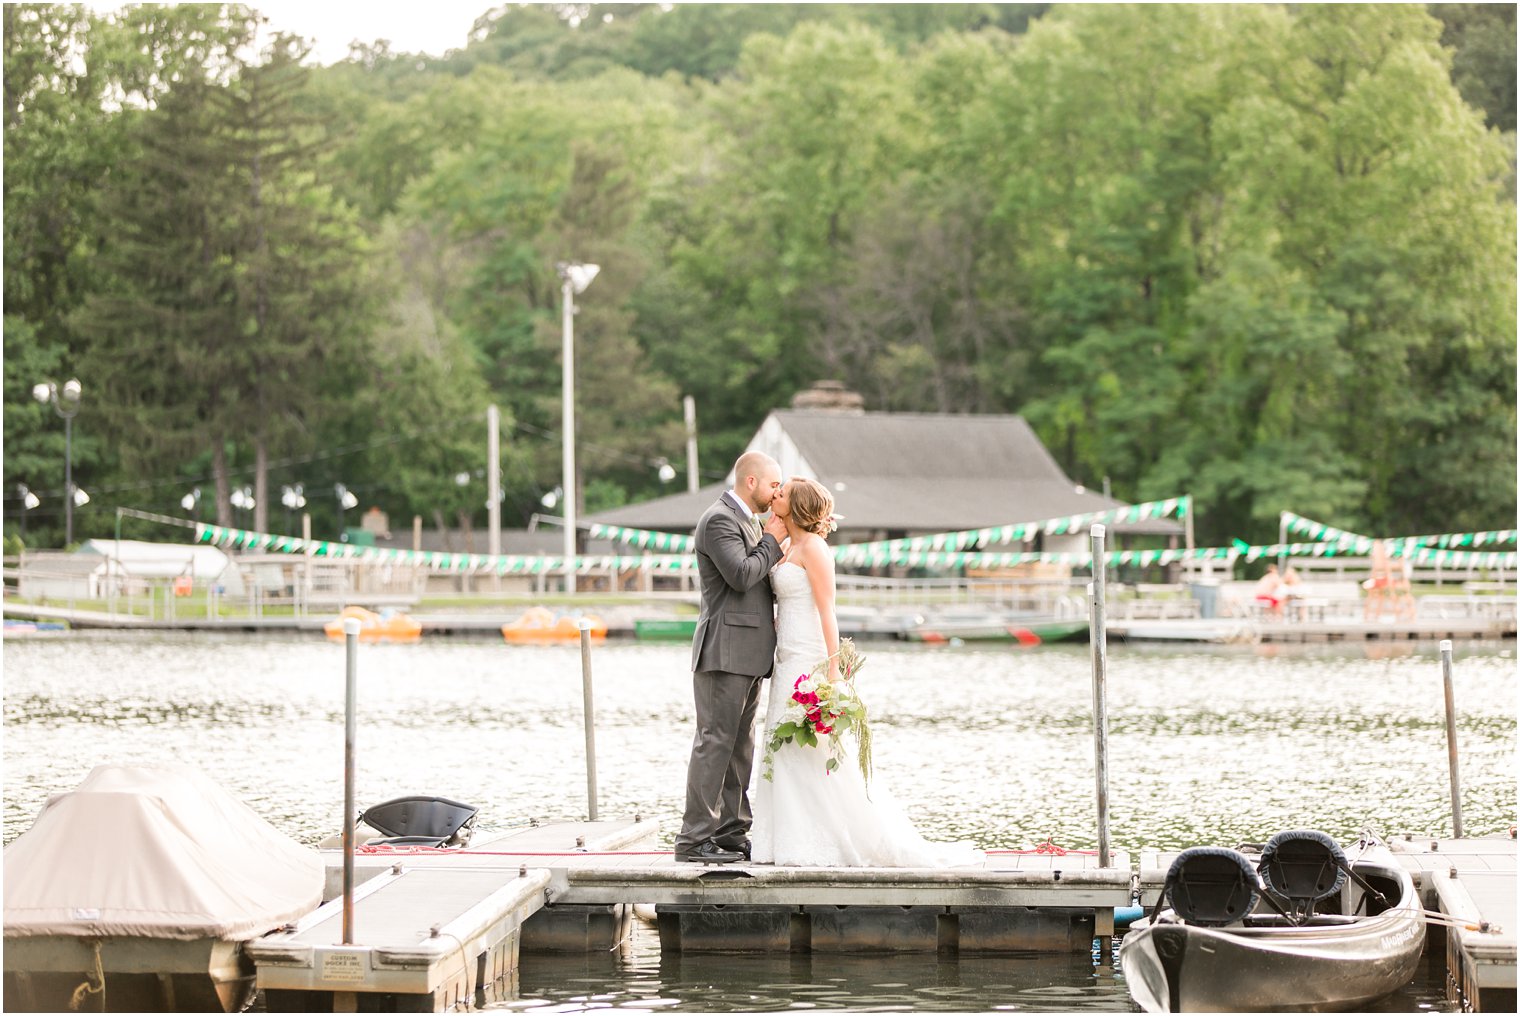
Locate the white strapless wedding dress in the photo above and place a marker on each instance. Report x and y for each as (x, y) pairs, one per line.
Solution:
(806, 815)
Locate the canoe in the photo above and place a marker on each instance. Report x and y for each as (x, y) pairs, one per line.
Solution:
(539, 625)
(375, 627)
(1243, 932)
(138, 890)
(665, 628)
(1027, 631)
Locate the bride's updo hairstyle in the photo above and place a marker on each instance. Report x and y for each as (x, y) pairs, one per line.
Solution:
(812, 506)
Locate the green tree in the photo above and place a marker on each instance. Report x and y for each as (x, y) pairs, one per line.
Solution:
(234, 279)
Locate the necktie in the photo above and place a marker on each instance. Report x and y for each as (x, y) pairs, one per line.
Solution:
(754, 526)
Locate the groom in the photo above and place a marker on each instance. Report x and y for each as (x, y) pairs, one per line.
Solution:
(732, 652)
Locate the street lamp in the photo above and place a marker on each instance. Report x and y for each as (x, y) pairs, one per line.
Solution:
(65, 402)
(292, 498)
(667, 471)
(346, 500)
(191, 502)
(574, 278)
(242, 497)
(28, 502)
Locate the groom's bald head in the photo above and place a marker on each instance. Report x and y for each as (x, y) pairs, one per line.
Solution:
(757, 477)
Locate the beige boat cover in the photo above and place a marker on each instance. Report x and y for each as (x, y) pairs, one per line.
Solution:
(158, 853)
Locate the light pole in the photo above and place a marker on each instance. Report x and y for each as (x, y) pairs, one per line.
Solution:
(242, 497)
(574, 278)
(346, 500)
(28, 502)
(493, 480)
(65, 402)
(689, 405)
(292, 498)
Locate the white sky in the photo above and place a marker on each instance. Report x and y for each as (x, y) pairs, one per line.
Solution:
(430, 26)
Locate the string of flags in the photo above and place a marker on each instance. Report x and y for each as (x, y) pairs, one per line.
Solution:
(1431, 552)
(642, 538)
(889, 551)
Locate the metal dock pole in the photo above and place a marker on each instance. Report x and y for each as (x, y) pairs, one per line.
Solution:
(1451, 742)
(350, 731)
(1099, 641)
(590, 717)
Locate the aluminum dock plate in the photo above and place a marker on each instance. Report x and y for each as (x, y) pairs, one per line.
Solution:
(534, 845)
(1473, 882)
(428, 939)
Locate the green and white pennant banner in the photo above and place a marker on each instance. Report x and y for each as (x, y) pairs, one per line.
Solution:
(504, 564)
(643, 538)
(890, 551)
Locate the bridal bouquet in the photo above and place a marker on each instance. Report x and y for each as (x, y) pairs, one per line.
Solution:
(823, 711)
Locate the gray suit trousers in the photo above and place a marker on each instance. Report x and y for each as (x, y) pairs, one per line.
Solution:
(717, 778)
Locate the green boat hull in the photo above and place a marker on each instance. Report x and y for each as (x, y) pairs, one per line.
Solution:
(667, 629)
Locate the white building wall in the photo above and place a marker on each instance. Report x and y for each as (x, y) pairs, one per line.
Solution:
(773, 440)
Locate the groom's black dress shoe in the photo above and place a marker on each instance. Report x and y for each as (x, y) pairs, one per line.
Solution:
(742, 847)
(708, 853)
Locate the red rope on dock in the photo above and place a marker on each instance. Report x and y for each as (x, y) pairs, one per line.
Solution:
(389, 848)
(1045, 848)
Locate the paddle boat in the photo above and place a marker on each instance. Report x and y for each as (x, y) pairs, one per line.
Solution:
(138, 891)
(389, 626)
(539, 624)
(1291, 926)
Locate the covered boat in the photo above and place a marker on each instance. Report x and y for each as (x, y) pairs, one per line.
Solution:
(136, 891)
(1295, 927)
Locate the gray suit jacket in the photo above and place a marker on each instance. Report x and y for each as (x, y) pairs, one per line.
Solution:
(736, 630)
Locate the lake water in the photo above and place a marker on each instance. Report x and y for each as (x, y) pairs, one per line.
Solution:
(1212, 745)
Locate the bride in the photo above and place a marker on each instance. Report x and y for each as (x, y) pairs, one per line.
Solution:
(804, 814)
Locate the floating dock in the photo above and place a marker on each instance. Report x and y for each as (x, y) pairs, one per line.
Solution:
(1471, 881)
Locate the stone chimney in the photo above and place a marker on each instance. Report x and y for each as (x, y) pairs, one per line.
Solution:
(829, 395)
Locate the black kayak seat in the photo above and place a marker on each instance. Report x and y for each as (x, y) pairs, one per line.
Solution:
(1304, 866)
(1211, 886)
(421, 821)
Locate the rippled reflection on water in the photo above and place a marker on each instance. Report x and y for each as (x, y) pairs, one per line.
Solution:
(1217, 744)
(646, 980)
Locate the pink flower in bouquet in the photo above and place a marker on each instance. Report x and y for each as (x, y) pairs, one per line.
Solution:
(824, 709)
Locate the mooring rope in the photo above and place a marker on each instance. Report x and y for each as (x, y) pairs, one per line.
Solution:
(87, 989)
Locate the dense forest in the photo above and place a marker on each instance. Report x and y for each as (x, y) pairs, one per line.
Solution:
(1262, 254)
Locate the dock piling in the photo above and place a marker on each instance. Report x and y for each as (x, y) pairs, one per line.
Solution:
(1451, 741)
(1098, 594)
(590, 719)
(351, 627)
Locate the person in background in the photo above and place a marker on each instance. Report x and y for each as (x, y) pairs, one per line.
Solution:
(1269, 592)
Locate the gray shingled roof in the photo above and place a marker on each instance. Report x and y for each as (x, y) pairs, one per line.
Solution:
(915, 472)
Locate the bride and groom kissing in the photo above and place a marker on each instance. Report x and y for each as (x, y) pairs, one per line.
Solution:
(768, 607)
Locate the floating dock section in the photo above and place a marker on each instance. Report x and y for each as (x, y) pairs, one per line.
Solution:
(438, 929)
(1471, 881)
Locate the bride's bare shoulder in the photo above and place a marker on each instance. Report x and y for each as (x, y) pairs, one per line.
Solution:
(814, 551)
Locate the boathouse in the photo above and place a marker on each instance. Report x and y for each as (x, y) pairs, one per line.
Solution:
(905, 474)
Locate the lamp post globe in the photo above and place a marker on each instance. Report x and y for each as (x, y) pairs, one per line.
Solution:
(65, 402)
